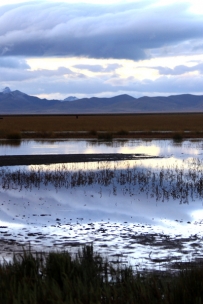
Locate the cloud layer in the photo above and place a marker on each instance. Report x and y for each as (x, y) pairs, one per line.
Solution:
(63, 82)
(126, 31)
(106, 50)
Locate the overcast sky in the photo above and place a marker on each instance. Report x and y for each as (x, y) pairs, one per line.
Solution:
(55, 49)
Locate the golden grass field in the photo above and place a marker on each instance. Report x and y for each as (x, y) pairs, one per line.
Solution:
(109, 123)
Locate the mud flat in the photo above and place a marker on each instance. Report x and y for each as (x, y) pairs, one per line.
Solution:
(26, 160)
(141, 246)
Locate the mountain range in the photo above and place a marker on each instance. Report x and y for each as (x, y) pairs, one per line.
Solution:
(16, 102)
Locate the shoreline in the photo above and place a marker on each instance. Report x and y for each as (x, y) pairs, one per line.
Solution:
(103, 135)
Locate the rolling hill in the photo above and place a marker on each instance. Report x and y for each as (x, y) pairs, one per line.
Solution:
(16, 102)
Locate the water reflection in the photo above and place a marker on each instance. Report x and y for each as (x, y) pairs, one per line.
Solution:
(181, 182)
(66, 197)
(129, 208)
(166, 148)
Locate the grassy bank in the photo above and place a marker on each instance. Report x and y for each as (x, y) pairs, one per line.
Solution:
(102, 126)
(88, 278)
(55, 125)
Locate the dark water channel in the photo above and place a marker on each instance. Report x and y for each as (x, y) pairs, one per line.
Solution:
(146, 212)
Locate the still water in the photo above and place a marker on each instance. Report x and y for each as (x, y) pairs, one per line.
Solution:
(145, 212)
(164, 148)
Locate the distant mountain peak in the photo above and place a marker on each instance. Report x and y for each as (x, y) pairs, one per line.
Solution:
(6, 90)
(70, 98)
(17, 92)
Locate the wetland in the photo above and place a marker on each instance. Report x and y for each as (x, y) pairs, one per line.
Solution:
(146, 212)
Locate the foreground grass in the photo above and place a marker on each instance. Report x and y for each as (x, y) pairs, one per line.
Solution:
(88, 278)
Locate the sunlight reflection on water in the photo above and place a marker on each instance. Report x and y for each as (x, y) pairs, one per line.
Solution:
(151, 147)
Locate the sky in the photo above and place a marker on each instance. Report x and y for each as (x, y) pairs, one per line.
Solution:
(55, 49)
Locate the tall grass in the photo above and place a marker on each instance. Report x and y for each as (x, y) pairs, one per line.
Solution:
(88, 278)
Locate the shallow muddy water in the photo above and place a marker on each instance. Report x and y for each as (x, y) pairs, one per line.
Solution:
(145, 212)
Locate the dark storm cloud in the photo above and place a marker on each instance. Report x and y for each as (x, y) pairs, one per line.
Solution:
(126, 31)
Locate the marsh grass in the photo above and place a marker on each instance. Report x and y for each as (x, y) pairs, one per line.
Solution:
(58, 277)
(105, 136)
(93, 132)
(123, 132)
(47, 125)
(170, 182)
(14, 136)
(178, 137)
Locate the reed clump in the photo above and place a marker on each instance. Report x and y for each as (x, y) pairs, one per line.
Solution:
(178, 137)
(93, 132)
(44, 134)
(180, 183)
(105, 136)
(122, 132)
(14, 136)
(58, 277)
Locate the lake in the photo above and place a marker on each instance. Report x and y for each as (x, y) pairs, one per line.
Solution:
(148, 212)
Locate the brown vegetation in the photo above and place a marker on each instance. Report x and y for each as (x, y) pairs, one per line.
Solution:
(59, 125)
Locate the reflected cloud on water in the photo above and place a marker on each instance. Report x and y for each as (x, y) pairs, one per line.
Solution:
(147, 211)
(164, 148)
